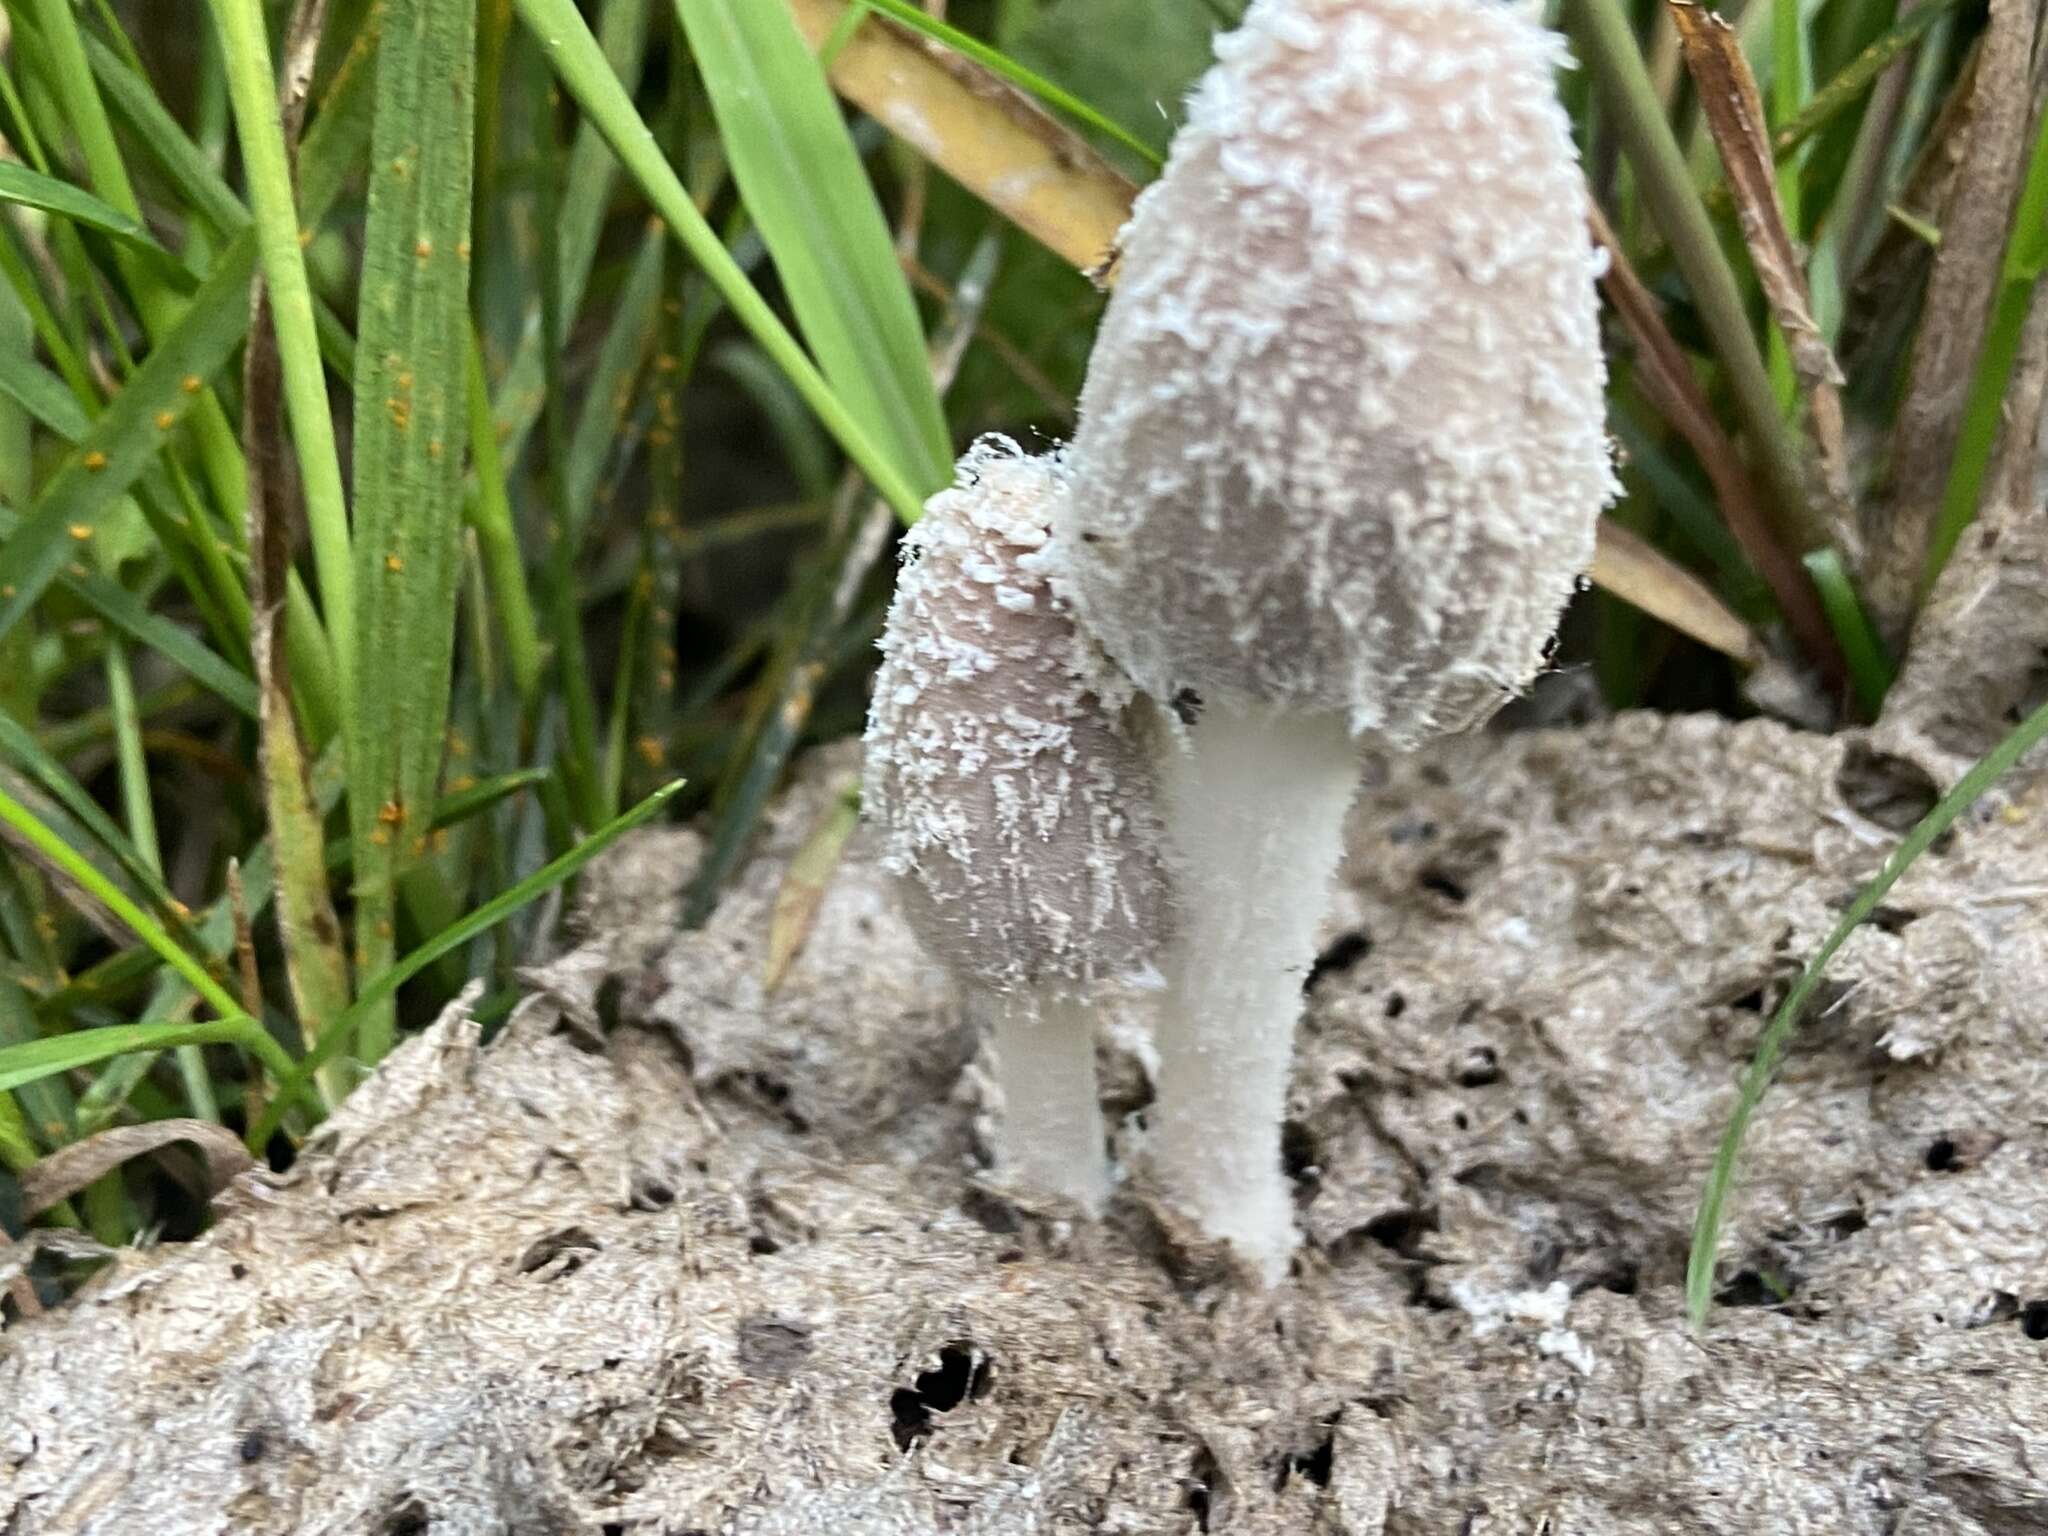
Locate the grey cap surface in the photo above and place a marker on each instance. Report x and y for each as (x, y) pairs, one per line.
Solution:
(1013, 803)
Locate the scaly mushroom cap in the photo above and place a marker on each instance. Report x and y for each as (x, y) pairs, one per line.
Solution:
(1013, 804)
(1341, 443)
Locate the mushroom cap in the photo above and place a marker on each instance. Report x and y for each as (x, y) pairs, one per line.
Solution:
(1013, 803)
(1341, 445)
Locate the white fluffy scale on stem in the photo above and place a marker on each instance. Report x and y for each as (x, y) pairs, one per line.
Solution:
(1340, 459)
(1014, 803)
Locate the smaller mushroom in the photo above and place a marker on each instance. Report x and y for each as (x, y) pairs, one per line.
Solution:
(1014, 801)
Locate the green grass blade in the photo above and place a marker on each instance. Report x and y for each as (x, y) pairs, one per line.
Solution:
(48, 1104)
(385, 985)
(609, 390)
(497, 536)
(622, 36)
(1770, 1051)
(77, 868)
(37, 1059)
(1000, 63)
(132, 617)
(127, 436)
(259, 127)
(472, 800)
(151, 126)
(1856, 77)
(580, 65)
(44, 396)
(161, 307)
(1871, 670)
(578, 758)
(411, 387)
(19, 184)
(804, 185)
(19, 746)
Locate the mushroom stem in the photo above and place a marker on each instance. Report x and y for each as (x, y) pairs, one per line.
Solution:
(1254, 802)
(1051, 1134)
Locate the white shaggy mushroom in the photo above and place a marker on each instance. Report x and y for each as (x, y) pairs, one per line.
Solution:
(1340, 458)
(1014, 805)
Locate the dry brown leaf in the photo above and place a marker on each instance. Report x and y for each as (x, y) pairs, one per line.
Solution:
(804, 884)
(69, 1169)
(1634, 570)
(1734, 111)
(1050, 183)
(981, 131)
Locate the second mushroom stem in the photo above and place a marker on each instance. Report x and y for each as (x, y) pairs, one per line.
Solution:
(1254, 803)
(1051, 1131)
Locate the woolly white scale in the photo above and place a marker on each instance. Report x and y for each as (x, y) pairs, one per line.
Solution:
(1014, 804)
(1339, 464)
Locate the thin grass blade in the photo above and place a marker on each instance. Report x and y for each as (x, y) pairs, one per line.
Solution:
(1770, 1051)
(577, 61)
(411, 385)
(19, 184)
(804, 185)
(127, 435)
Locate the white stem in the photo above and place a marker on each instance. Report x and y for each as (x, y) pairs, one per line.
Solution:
(1255, 807)
(1052, 1134)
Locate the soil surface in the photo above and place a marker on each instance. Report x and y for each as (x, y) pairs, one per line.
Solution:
(678, 1254)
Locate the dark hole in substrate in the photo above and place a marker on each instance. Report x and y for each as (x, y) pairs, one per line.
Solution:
(1441, 883)
(1480, 1067)
(991, 1212)
(1941, 1155)
(252, 1447)
(1300, 1155)
(1396, 1005)
(2034, 1320)
(1845, 1224)
(1623, 1277)
(649, 1191)
(1400, 1230)
(1339, 955)
(1313, 1464)
(568, 1244)
(408, 1517)
(961, 1374)
(1204, 1482)
(774, 1094)
(1755, 1288)
(1187, 705)
(1889, 790)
